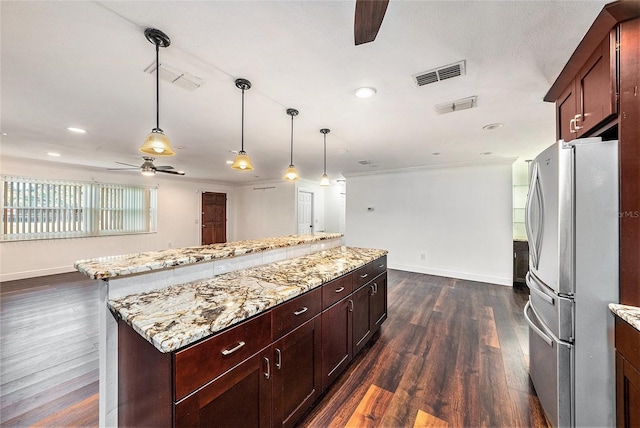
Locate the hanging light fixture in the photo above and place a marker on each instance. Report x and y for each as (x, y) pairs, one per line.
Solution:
(291, 173)
(324, 181)
(157, 143)
(242, 161)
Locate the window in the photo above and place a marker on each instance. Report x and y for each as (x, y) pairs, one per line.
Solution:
(48, 209)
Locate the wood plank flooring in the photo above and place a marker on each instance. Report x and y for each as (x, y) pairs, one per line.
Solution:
(452, 353)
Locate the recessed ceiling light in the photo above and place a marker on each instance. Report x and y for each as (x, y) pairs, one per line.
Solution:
(4, 133)
(76, 130)
(365, 92)
(486, 153)
(233, 151)
(435, 153)
(54, 154)
(229, 162)
(492, 126)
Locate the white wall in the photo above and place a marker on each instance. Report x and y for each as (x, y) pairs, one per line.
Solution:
(334, 210)
(179, 215)
(460, 218)
(265, 209)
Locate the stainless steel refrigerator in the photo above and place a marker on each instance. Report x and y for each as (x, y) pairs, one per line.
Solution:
(572, 228)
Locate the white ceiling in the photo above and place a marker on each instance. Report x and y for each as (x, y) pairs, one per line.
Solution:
(81, 63)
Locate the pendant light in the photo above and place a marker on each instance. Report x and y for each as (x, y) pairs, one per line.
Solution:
(291, 173)
(324, 181)
(242, 161)
(157, 143)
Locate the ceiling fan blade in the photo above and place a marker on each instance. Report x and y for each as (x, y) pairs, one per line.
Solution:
(168, 171)
(128, 164)
(368, 19)
(123, 169)
(164, 167)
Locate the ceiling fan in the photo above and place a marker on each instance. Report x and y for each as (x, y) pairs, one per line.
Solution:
(148, 168)
(368, 19)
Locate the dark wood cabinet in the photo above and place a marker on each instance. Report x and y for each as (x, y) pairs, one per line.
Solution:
(266, 371)
(362, 316)
(297, 379)
(337, 334)
(627, 375)
(379, 302)
(591, 97)
(239, 398)
(520, 261)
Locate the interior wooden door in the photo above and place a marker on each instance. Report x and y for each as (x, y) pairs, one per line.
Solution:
(305, 213)
(214, 218)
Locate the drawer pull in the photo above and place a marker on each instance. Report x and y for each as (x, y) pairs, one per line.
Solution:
(339, 290)
(363, 276)
(301, 311)
(381, 266)
(234, 349)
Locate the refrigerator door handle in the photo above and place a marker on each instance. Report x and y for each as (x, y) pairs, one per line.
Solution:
(534, 235)
(534, 327)
(533, 286)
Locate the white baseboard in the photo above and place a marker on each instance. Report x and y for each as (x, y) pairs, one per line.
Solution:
(35, 273)
(508, 281)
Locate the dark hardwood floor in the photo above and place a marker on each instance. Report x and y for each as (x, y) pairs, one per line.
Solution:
(451, 353)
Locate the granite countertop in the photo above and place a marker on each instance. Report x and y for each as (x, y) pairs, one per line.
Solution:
(179, 315)
(630, 314)
(112, 266)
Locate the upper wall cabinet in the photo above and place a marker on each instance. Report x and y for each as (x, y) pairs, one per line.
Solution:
(592, 96)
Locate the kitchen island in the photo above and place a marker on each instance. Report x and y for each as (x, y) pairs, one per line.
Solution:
(256, 347)
(143, 272)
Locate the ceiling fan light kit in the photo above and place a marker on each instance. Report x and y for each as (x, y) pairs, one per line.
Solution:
(291, 172)
(157, 143)
(242, 161)
(365, 92)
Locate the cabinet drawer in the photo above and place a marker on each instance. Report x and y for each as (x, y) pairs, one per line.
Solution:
(379, 266)
(202, 362)
(336, 290)
(362, 275)
(295, 312)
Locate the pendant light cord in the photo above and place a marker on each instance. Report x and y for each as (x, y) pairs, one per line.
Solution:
(242, 125)
(157, 86)
(291, 140)
(325, 154)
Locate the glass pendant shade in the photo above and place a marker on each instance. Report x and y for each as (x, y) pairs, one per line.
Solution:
(242, 162)
(291, 174)
(324, 181)
(157, 144)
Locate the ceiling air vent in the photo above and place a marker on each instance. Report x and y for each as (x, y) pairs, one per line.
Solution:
(175, 76)
(441, 73)
(456, 105)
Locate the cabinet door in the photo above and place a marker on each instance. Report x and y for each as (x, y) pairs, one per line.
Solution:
(336, 340)
(628, 393)
(379, 302)
(239, 398)
(597, 86)
(362, 316)
(565, 114)
(297, 381)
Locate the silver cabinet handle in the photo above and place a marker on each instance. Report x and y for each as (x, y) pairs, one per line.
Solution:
(363, 276)
(301, 311)
(267, 374)
(381, 266)
(339, 290)
(572, 126)
(577, 118)
(350, 305)
(234, 349)
(278, 359)
(373, 290)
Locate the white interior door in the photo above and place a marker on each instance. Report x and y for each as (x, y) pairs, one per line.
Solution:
(305, 213)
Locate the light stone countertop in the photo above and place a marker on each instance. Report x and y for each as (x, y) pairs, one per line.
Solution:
(179, 315)
(630, 314)
(113, 266)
